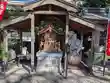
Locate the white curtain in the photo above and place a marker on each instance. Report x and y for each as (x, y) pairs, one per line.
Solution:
(74, 43)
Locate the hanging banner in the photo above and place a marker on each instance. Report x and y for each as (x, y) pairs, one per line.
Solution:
(108, 40)
(3, 5)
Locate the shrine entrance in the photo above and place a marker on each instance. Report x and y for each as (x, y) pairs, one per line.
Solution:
(50, 39)
(47, 28)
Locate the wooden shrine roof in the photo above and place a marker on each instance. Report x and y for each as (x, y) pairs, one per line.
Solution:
(81, 21)
(62, 4)
(71, 9)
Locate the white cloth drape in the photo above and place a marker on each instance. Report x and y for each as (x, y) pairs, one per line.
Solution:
(24, 51)
(12, 54)
(74, 43)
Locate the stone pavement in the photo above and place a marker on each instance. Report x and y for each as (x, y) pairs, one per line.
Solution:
(22, 75)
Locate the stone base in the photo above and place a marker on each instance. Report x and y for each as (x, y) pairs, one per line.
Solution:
(74, 67)
(74, 60)
(45, 64)
(48, 62)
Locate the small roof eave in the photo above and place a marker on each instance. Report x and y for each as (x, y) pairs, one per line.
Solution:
(15, 3)
(94, 16)
(86, 23)
(11, 22)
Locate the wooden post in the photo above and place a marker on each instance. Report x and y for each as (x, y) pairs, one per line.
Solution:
(32, 41)
(50, 7)
(81, 43)
(66, 41)
(21, 41)
(6, 41)
(94, 44)
(96, 38)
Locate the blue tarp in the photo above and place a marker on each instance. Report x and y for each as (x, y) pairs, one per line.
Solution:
(51, 54)
(23, 1)
(20, 0)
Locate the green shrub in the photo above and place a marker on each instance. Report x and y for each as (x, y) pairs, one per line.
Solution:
(3, 54)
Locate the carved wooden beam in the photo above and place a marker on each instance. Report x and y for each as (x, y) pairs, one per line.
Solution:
(51, 12)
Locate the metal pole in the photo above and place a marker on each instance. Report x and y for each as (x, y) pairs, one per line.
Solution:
(66, 41)
(32, 42)
(21, 41)
(6, 41)
(81, 42)
(104, 59)
(91, 57)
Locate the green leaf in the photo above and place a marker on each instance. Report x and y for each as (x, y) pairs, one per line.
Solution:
(96, 3)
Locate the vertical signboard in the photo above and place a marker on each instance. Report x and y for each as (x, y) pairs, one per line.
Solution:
(108, 39)
(3, 4)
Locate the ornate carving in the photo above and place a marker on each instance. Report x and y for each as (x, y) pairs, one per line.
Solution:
(49, 42)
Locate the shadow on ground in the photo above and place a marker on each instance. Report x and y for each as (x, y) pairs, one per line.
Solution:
(39, 78)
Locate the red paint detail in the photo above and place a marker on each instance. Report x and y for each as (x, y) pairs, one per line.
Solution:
(49, 29)
(76, 26)
(108, 40)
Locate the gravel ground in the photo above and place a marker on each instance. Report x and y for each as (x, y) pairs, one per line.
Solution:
(21, 75)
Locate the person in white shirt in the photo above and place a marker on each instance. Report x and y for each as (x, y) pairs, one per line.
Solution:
(24, 51)
(12, 54)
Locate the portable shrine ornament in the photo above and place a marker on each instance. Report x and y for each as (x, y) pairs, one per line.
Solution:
(3, 5)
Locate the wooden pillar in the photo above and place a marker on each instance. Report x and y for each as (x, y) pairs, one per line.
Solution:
(32, 41)
(94, 44)
(81, 42)
(6, 41)
(96, 38)
(21, 41)
(66, 41)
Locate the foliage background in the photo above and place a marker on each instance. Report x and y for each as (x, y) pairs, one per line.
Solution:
(96, 3)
